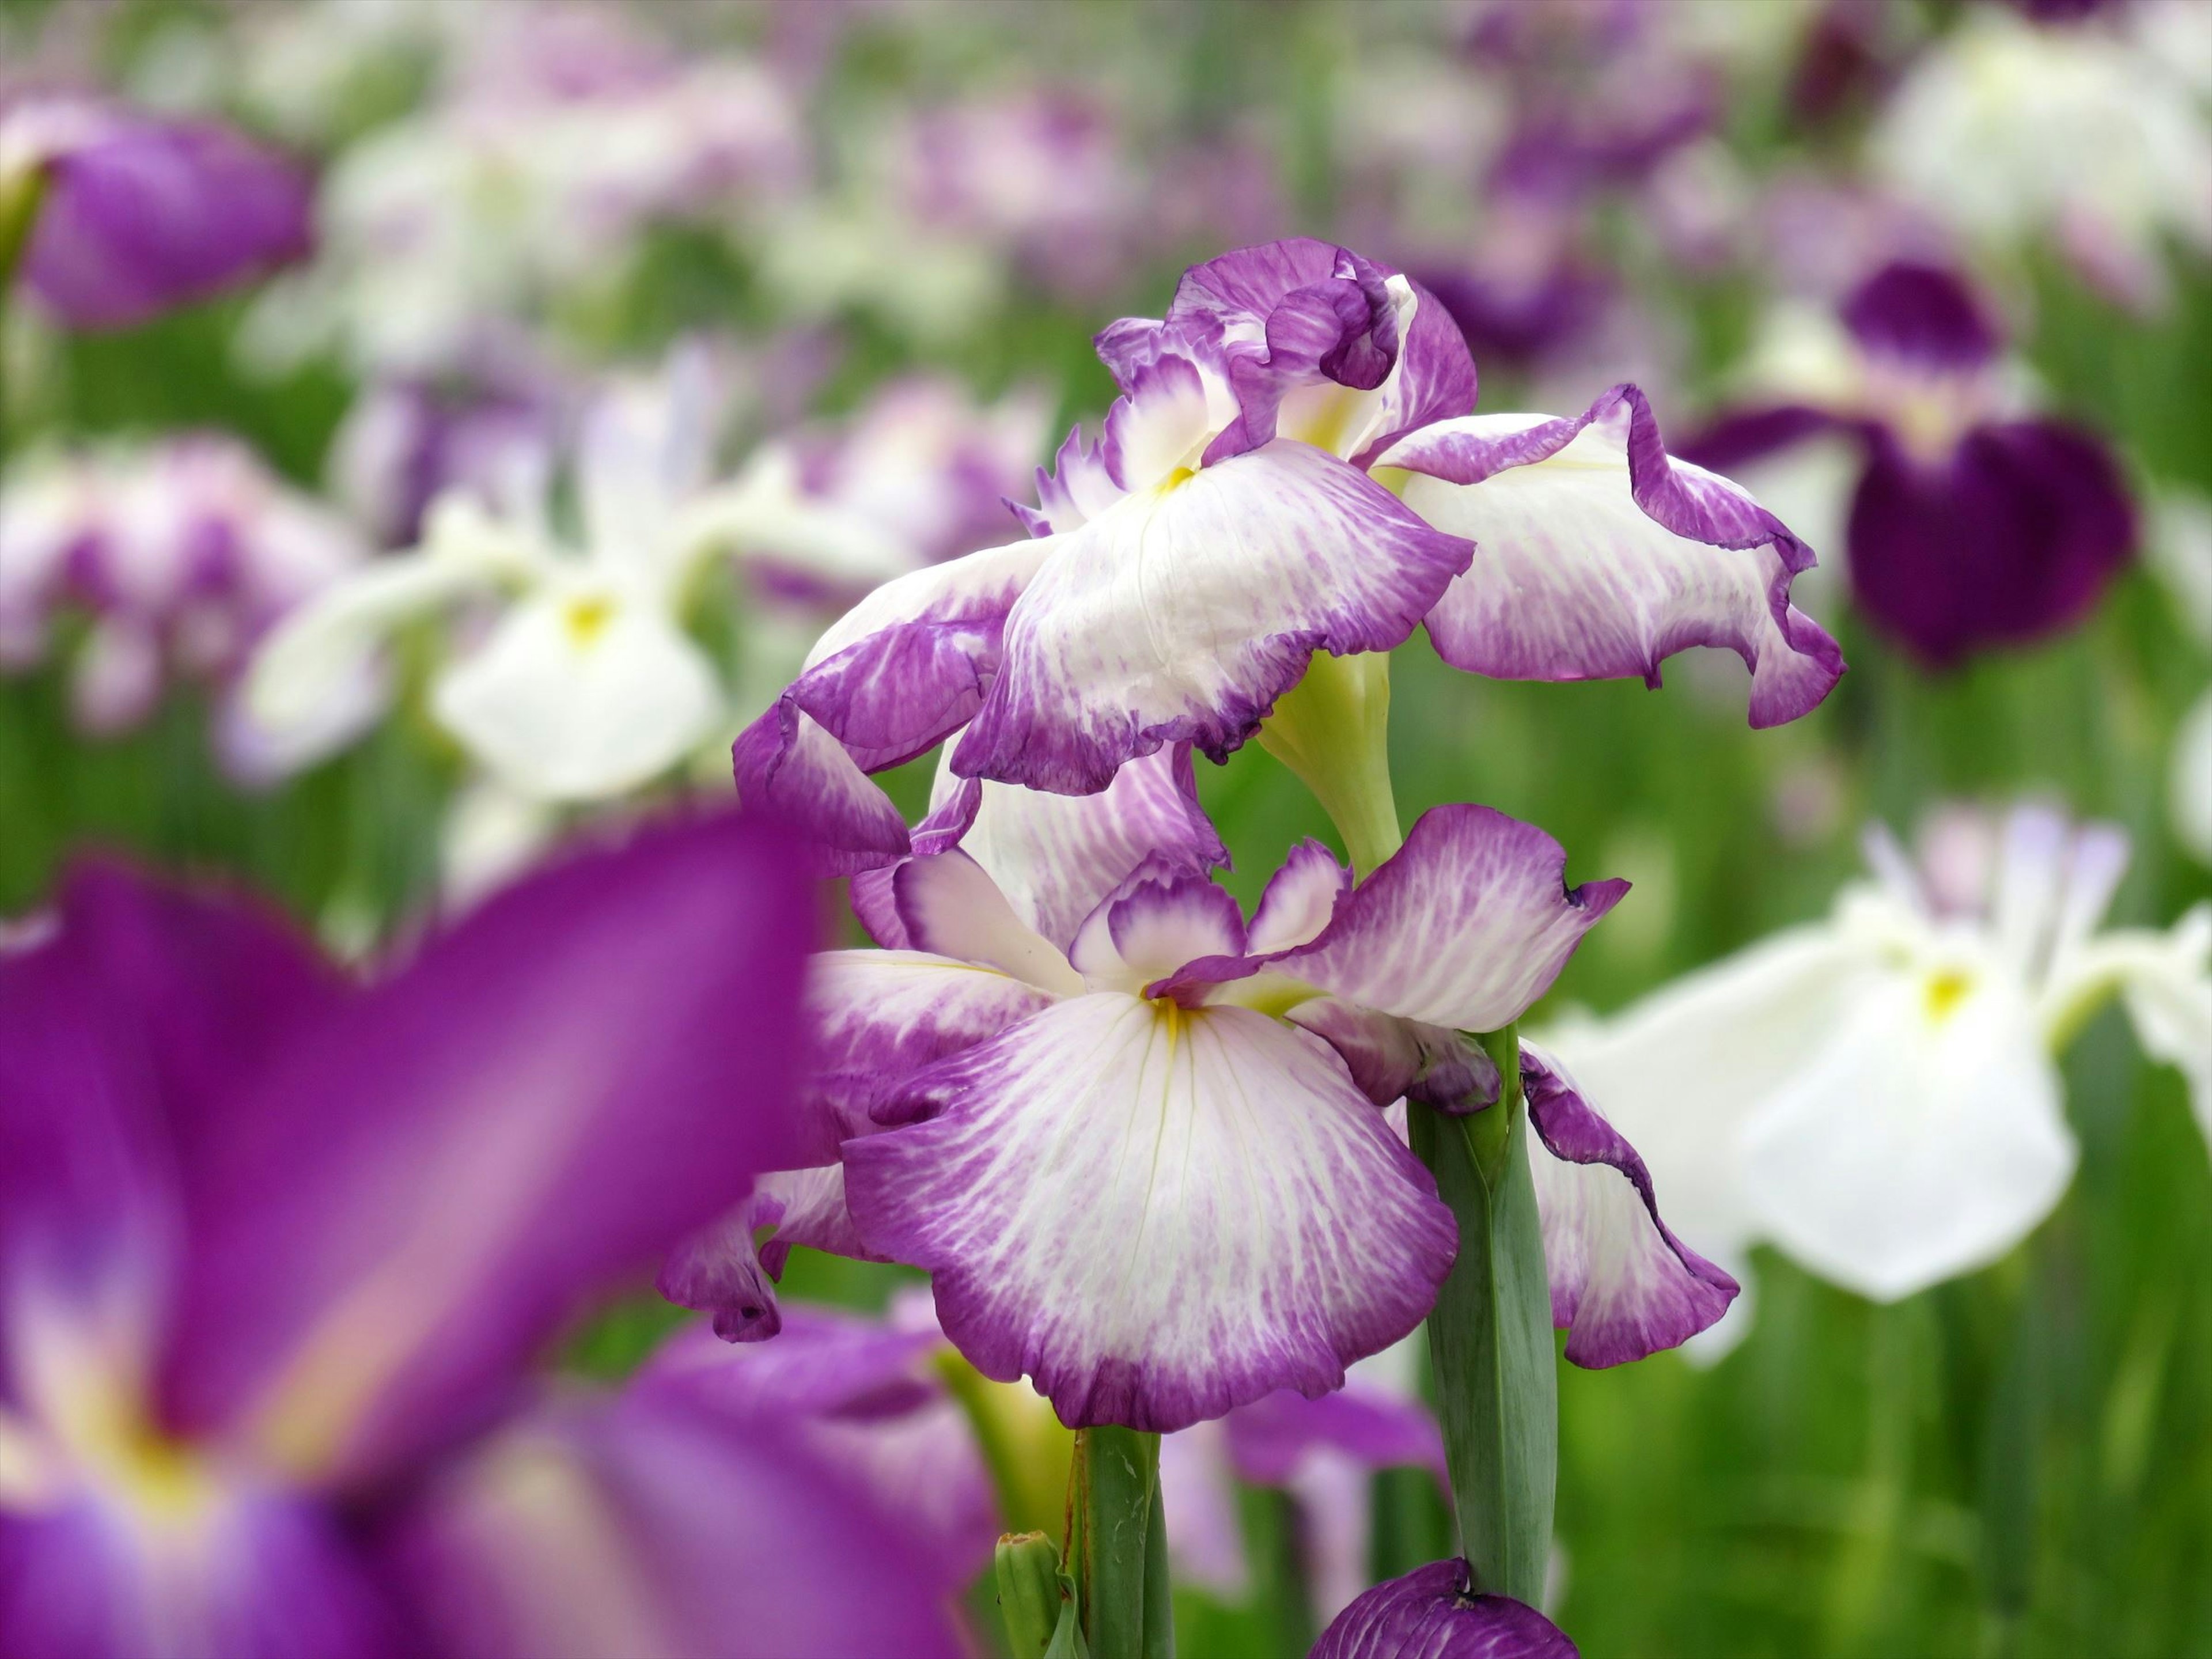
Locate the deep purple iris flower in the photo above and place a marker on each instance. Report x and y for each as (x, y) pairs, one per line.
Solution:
(1434, 1612)
(278, 1251)
(1968, 527)
(138, 214)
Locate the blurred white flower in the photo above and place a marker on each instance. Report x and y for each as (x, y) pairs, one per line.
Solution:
(1878, 1094)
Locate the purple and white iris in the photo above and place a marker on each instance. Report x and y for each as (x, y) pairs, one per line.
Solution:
(1969, 523)
(134, 214)
(277, 1252)
(1230, 524)
(1140, 1141)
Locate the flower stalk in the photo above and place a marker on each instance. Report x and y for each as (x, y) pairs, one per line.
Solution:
(1120, 1546)
(1333, 730)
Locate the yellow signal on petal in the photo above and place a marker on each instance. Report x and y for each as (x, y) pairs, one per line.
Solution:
(586, 618)
(1946, 990)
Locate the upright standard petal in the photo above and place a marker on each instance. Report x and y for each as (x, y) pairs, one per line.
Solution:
(591, 1066)
(1155, 1214)
(1182, 612)
(1598, 556)
(1435, 1613)
(1623, 1287)
(1463, 927)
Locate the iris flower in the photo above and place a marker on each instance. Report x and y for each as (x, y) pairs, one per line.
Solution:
(278, 1251)
(1969, 522)
(1140, 1142)
(1435, 1612)
(130, 215)
(1232, 523)
(1878, 1094)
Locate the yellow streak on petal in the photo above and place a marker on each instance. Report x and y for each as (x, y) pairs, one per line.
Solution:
(586, 618)
(1946, 990)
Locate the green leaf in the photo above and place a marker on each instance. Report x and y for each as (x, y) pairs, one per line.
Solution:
(1490, 1337)
(1117, 1473)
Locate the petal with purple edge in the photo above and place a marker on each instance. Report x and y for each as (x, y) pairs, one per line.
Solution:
(1299, 898)
(1433, 1612)
(949, 906)
(655, 1525)
(1156, 920)
(1391, 1058)
(1623, 1287)
(1155, 1214)
(1182, 613)
(878, 1017)
(1463, 926)
(590, 1066)
(786, 763)
(1598, 556)
(718, 1271)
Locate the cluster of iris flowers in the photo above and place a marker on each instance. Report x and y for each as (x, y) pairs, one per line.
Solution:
(1184, 1197)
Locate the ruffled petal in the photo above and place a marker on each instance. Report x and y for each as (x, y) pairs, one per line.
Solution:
(1433, 1612)
(1623, 1287)
(878, 1017)
(1182, 613)
(948, 905)
(1463, 928)
(1392, 1058)
(1299, 899)
(1598, 556)
(788, 762)
(1153, 922)
(1156, 1215)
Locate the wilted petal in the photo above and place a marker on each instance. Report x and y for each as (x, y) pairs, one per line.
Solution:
(881, 1016)
(1433, 1612)
(1155, 1214)
(1623, 1287)
(1180, 614)
(1463, 926)
(589, 1066)
(656, 1524)
(1597, 557)
(581, 694)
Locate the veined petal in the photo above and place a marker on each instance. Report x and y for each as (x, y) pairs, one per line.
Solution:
(878, 1017)
(1392, 1058)
(947, 905)
(1434, 1612)
(1922, 1137)
(1597, 557)
(786, 761)
(1623, 1287)
(1299, 899)
(1152, 923)
(1463, 926)
(1182, 613)
(581, 694)
(594, 1063)
(1155, 1214)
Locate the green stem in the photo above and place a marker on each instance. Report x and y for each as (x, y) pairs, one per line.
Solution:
(20, 199)
(1490, 1336)
(1117, 1477)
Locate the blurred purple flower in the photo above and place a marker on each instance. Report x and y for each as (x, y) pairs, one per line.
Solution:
(1969, 527)
(183, 555)
(140, 213)
(278, 1251)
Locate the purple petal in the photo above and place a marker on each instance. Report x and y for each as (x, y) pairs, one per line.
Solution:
(587, 1068)
(1392, 1058)
(2013, 538)
(1157, 1215)
(788, 763)
(1923, 316)
(718, 1270)
(1433, 1612)
(146, 215)
(655, 1525)
(881, 1016)
(1152, 923)
(1613, 560)
(1463, 927)
(1623, 1287)
(1270, 1438)
(949, 906)
(1181, 615)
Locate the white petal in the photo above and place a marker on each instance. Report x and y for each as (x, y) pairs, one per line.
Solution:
(951, 907)
(581, 694)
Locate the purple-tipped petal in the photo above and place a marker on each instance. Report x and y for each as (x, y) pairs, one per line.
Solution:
(1433, 1612)
(409, 1204)
(1299, 899)
(880, 1016)
(2013, 538)
(1180, 614)
(949, 906)
(140, 215)
(1463, 927)
(1152, 923)
(657, 1525)
(718, 1271)
(1598, 556)
(786, 763)
(1623, 1285)
(1155, 1214)
(1392, 1058)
